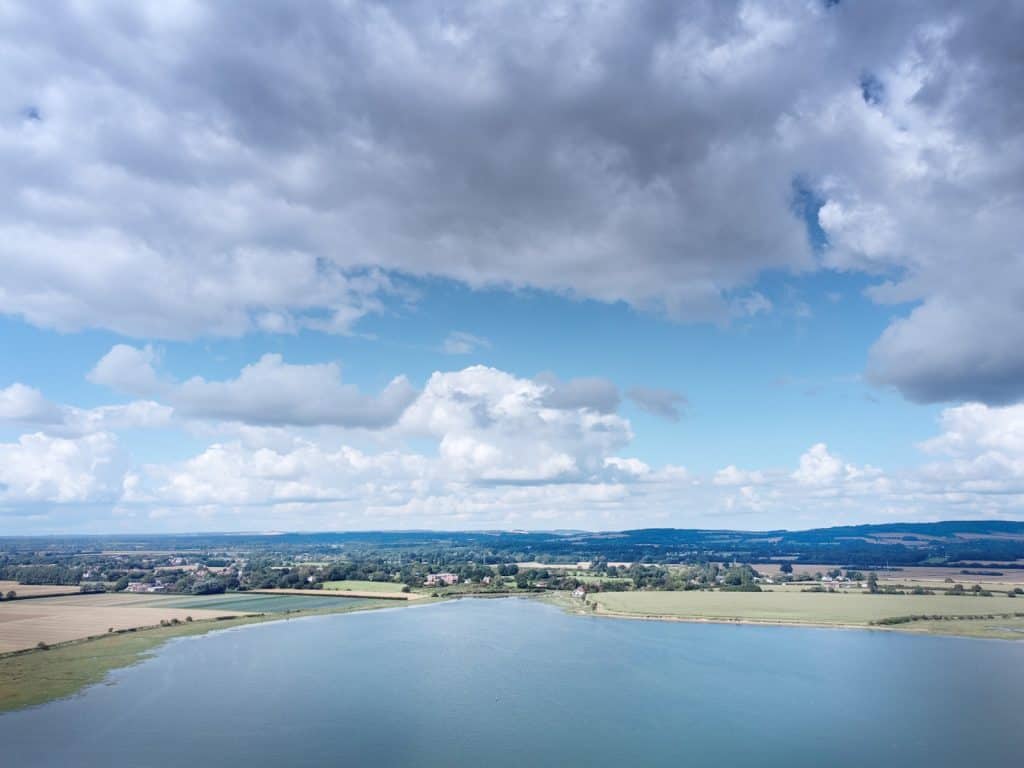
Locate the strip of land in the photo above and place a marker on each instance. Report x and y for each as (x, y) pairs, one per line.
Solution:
(999, 617)
(328, 593)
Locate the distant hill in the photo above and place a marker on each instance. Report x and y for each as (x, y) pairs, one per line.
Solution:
(954, 543)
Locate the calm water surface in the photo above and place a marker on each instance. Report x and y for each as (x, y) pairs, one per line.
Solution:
(516, 683)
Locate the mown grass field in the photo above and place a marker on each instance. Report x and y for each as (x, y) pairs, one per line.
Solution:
(363, 586)
(590, 579)
(853, 609)
(244, 602)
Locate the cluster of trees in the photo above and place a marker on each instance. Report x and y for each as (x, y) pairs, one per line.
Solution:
(942, 617)
(41, 574)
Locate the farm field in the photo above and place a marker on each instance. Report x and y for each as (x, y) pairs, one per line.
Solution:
(533, 564)
(912, 574)
(852, 609)
(37, 590)
(248, 602)
(591, 579)
(24, 624)
(363, 586)
(337, 594)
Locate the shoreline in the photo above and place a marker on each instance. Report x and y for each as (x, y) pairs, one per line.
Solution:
(36, 676)
(905, 628)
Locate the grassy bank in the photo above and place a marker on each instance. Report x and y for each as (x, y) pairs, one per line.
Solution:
(968, 616)
(37, 676)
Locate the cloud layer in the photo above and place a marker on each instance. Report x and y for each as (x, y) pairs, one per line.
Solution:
(477, 448)
(192, 169)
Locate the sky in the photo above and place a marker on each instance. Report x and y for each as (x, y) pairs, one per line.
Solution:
(510, 265)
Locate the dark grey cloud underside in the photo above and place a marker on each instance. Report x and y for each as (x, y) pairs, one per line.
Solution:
(234, 163)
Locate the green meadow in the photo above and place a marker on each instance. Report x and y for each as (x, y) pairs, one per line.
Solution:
(853, 609)
(363, 586)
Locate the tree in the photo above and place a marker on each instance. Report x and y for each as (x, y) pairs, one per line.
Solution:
(11, 594)
(872, 583)
(786, 568)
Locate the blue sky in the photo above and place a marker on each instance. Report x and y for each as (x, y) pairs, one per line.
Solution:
(757, 390)
(523, 265)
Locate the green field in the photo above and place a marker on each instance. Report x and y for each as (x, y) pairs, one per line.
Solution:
(589, 579)
(852, 609)
(363, 586)
(258, 603)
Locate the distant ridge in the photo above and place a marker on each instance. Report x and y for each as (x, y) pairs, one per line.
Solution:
(950, 543)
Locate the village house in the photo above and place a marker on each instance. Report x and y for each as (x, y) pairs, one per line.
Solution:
(446, 579)
(579, 592)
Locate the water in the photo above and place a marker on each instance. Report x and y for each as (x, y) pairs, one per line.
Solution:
(499, 683)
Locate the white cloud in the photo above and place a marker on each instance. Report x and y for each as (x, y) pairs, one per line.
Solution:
(23, 406)
(982, 450)
(479, 447)
(494, 427)
(732, 475)
(22, 403)
(41, 468)
(818, 466)
(631, 467)
(974, 427)
(462, 343)
(128, 369)
(269, 392)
